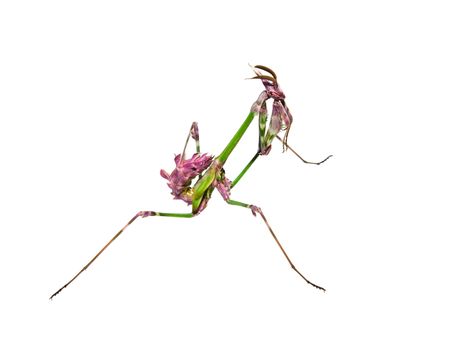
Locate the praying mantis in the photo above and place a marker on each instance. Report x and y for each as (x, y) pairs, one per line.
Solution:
(209, 169)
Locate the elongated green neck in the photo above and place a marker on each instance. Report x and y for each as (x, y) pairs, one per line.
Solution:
(236, 138)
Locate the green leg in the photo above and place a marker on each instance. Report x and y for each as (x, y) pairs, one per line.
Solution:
(222, 158)
(262, 118)
(303, 160)
(142, 214)
(258, 210)
(262, 146)
(237, 179)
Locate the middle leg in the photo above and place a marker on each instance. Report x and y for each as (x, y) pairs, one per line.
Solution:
(301, 158)
(256, 210)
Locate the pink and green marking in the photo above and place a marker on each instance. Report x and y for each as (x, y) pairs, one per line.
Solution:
(195, 178)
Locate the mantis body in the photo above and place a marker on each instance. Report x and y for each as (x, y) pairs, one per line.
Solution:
(209, 170)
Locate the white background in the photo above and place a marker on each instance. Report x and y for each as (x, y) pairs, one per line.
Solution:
(97, 96)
